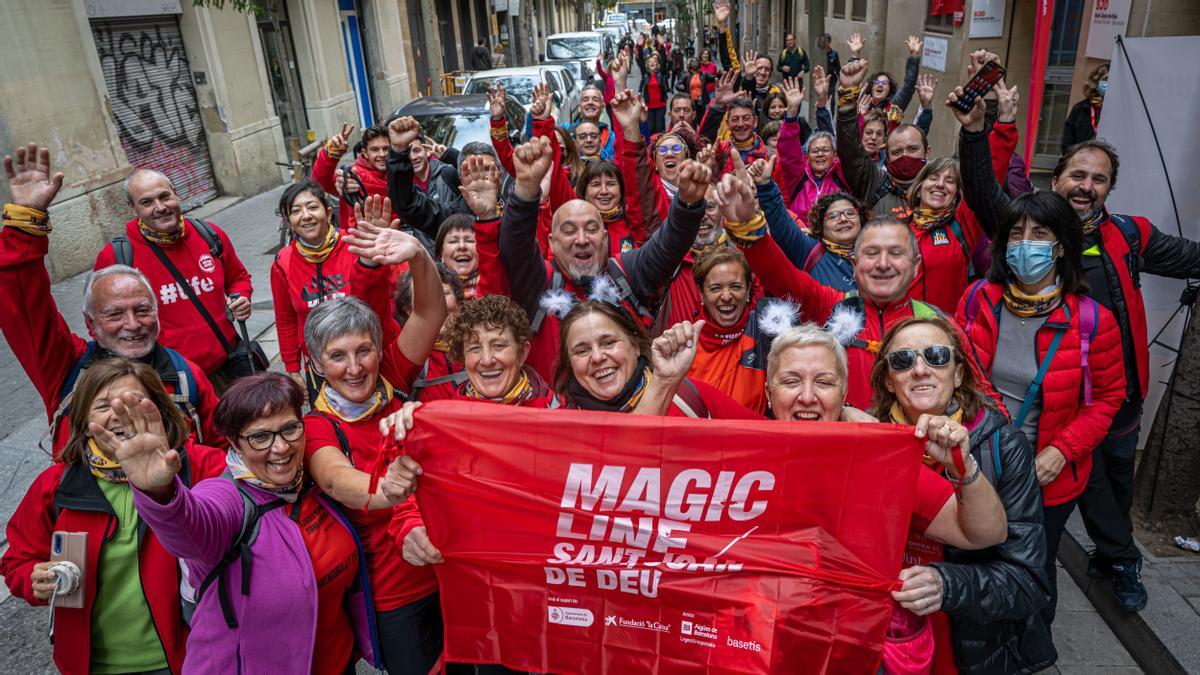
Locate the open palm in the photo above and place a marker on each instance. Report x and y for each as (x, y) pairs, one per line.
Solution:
(29, 177)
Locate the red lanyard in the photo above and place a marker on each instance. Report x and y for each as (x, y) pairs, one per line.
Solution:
(1092, 111)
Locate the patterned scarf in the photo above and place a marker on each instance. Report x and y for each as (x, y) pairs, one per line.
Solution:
(1023, 305)
(101, 466)
(714, 337)
(288, 493)
(469, 282)
(333, 403)
(522, 390)
(954, 412)
(623, 402)
(612, 215)
(163, 238)
(745, 146)
(723, 240)
(925, 219)
(841, 250)
(320, 253)
(1092, 222)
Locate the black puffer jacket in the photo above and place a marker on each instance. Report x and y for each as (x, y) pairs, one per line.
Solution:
(993, 596)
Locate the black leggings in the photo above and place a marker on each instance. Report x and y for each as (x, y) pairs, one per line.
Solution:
(656, 120)
(1056, 523)
(410, 637)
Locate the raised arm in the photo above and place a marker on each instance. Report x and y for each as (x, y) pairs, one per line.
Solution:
(519, 253)
(480, 188)
(498, 128)
(412, 205)
(982, 194)
(650, 267)
(328, 156)
(912, 66)
(726, 45)
(632, 161)
(862, 176)
(792, 240)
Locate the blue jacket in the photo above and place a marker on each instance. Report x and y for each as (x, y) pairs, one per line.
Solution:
(830, 269)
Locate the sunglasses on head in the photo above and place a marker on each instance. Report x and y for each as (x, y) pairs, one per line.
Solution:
(936, 356)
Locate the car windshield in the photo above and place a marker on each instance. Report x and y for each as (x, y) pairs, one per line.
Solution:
(519, 88)
(573, 47)
(456, 129)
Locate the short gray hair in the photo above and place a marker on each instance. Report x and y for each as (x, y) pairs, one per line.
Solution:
(114, 270)
(333, 319)
(807, 335)
(887, 221)
(818, 135)
(138, 173)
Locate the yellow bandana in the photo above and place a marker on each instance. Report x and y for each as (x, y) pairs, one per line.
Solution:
(383, 393)
(924, 219)
(842, 250)
(26, 219)
(521, 390)
(102, 466)
(323, 251)
(163, 238)
(1023, 305)
(612, 215)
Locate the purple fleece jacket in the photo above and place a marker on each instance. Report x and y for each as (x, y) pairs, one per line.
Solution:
(277, 621)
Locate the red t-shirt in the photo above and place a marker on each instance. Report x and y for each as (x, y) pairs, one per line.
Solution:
(297, 286)
(395, 582)
(335, 561)
(933, 491)
(654, 93)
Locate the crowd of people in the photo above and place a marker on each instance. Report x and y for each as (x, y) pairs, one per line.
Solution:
(691, 249)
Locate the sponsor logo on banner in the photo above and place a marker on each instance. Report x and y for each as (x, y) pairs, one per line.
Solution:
(206, 263)
(570, 616)
(656, 626)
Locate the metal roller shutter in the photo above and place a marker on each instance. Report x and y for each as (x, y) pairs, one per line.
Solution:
(153, 102)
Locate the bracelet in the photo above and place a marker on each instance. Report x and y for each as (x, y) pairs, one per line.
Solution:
(971, 477)
(848, 95)
(334, 152)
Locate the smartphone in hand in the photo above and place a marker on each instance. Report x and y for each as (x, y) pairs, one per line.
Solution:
(979, 85)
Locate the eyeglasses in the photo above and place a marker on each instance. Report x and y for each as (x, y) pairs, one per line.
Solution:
(820, 151)
(848, 214)
(883, 81)
(262, 440)
(665, 149)
(936, 356)
(587, 135)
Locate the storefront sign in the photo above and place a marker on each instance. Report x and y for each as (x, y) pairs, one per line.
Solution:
(987, 19)
(1109, 19)
(934, 57)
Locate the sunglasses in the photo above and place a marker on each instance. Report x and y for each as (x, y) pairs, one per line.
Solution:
(936, 356)
(666, 149)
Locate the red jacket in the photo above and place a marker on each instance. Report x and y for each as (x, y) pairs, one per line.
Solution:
(1065, 423)
(1117, 248)
(942, 275)
(43, 342)
(182, 327)
(297, 286)
(65, 498)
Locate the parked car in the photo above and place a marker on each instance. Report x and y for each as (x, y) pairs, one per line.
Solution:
(454, 121)
(519, 82)
(578, 51)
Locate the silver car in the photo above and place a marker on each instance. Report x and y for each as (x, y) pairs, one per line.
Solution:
(519, 82)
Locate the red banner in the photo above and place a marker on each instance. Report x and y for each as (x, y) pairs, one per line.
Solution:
(1043, 19)
(580, 542)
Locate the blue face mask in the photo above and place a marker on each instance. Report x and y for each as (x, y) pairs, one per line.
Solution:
(1030, 260)
(1102, 88)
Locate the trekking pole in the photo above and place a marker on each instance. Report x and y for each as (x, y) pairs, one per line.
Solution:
(245, 335)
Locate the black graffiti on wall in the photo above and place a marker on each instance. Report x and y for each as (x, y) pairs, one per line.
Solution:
(149, 86)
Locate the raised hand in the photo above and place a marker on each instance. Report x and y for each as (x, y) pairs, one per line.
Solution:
(978, 58)
(1007, 101)
(853, 74)
(142, 449)
(721, 11)
(793, 91)
(627, 107)
(386, 247)
(480, 185)
(532, 161)
(855, 44)
(693, 181)
(708, 157)
(496, 101)
(736, 199)
(820, 87)
(725, 93)
(620, 68)
(341, 140)
(374, 214)
(29, 178)
(971, 121)
(914, 45)
(762, 171)
(739, 165)
(748, 59)
(864, 102)
(926, 87)
(402, 131)
(540, 108)
(672, 353)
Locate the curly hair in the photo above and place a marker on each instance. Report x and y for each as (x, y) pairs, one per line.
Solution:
(816, 214)
(490, 311)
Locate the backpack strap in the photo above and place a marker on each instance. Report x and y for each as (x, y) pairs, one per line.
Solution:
(1133, 239)
(688, 399)
(215, 247)
(1089, 318)
(122, 250)
(989, 459)
(343, 442)
(956, 230)
(1036, 385)
(814, 256)
(557, 282)
(617, 274)
(972, 308)
(187, 396)
(239, 550)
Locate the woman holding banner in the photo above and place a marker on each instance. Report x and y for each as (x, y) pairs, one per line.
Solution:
(991, 597)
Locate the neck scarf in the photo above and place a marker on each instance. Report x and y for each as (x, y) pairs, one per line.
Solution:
(1023, 305)
(670, 188)
(714, 337)
(623, 402)
(745, 146)
(925, 219)
(522, 390)
(333, 403)
(723, 240)
(288, 493)
(841, 250)
(322, 251)
(102, 466)
(1092, 222)
(469, 281)
(163, 238)
(612, 215)
(953, 411)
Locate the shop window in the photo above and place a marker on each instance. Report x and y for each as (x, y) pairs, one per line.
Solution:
(938, 23)
(858, 10)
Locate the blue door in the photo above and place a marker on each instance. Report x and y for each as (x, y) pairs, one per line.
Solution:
(356, 61)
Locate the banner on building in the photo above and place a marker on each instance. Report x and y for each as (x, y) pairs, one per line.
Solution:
(1043, 18)
(934, 52)
(1109, 19)
(581, 542)
(987, 19)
